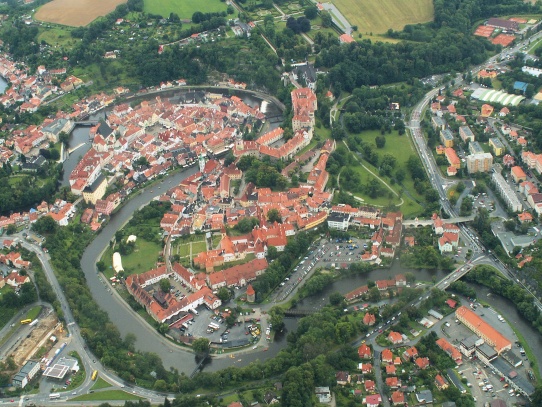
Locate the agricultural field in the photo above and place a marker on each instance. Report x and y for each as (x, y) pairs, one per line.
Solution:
(75, 13)
(372, 16)
(183, 8)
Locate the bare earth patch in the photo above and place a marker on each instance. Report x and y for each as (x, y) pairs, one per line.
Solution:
(75, 13)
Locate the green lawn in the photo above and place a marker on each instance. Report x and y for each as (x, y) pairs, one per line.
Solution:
(401, 148)
(143, 258)
(107, 395)
(216, 240)
(57, 36)
(33, 312)
(100, 384)
(184, 8)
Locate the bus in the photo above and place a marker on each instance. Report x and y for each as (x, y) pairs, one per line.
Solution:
(94, 375)
(54, 396)
(25, 321)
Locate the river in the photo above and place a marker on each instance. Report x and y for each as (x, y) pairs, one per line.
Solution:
(3, 85)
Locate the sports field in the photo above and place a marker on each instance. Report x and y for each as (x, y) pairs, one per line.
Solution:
(75, 13)
(183, 8)
(377, 16)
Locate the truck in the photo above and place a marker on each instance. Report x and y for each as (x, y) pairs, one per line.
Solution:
(33, 323)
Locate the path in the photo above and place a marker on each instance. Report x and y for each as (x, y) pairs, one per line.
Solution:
(376, 176)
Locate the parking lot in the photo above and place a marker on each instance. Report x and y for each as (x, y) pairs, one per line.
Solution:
(238, 335)
(325, 254)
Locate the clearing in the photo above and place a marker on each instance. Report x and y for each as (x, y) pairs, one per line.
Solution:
(75, 13)
(377, 17)
(183, 8)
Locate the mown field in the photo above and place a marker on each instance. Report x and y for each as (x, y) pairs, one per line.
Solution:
(75, 13)
(183, 8)
(377, 16)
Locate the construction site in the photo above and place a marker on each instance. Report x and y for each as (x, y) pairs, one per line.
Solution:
(46, 337)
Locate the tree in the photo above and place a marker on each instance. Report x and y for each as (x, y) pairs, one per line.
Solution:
(64, 138)
(164, 285)
(336, 299)
(311, 12)
(274, 216)
(374, 294)
(100, 265)
(201, 346)
(380, 141)
(272, 252)
(11, 229)
(224, 294)
(326, 19)
(44, 225)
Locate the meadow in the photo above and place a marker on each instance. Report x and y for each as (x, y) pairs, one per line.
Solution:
(183, 8)
(371, 16)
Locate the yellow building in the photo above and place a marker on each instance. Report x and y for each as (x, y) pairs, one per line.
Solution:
(95, 191)
(497, 146)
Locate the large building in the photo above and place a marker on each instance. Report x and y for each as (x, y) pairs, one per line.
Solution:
(481, 162)
(506, 192)
(338, 221)
(304, 105)
(95, 191)
(497, 146)
(26, 374)
(447, 138)
(481, 328)
(466, 134)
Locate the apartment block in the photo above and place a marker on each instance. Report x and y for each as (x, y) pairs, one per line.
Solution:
(506, 192)
(481, 162)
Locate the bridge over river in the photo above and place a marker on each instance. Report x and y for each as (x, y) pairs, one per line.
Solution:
(429, 222)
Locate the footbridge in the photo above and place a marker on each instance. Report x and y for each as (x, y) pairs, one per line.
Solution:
(429, 222)
(87, 123)
(295, 313)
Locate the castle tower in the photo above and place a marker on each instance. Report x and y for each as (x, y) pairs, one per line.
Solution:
(251, 294)
(201, 161)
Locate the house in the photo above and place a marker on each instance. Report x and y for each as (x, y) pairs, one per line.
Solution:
(393, 382)
(343, 378)
(346, 39)
(387, 356)
(270, 398)
(448, 242)
(391, 369)
(364, 352)
(410, 354)
(398, 398)
(424, 397)
(370, 386)
(365, 367)
(518, 174)
(373, 400)
(441, 382)
(422, 363)
(369, 319)
(323, 394)
(395, 337)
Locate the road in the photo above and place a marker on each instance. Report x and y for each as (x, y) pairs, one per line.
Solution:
(77, 343)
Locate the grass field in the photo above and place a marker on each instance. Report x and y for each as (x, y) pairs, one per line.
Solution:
(100, 384)
(33, 312)
(75, 13)
(184, 8)
(401, 148)
(107, 395)
(57, 35)
(142, 259)
(372, 16)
